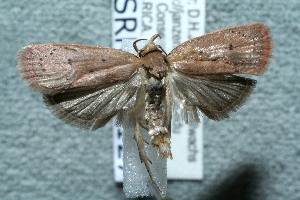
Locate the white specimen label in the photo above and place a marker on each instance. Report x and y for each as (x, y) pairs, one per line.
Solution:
(176, 21)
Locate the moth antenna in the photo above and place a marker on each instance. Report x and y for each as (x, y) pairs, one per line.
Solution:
(135, 46)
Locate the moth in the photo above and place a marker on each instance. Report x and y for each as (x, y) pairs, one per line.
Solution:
(86, 86)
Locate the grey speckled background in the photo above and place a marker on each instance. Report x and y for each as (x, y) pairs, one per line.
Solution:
(253, 155)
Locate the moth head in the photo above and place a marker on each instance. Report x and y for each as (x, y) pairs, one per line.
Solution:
(149, 47)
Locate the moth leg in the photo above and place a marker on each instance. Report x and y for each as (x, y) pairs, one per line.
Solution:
(140, 144)
(145, 141)
(168, 116)
(143, 124)
(144, 158)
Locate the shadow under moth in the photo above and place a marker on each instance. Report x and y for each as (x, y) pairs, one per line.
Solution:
(86, 86)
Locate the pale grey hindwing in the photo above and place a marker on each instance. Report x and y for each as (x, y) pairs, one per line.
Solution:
(93, 108)
(214, 95)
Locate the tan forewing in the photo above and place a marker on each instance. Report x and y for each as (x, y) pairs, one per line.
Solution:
(244, 49)
(214, 95)
(52, 68)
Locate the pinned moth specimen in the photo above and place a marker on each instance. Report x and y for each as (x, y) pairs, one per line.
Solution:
(86, 86)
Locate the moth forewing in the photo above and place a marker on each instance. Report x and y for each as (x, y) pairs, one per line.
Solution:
(54, 68)
(244, 49)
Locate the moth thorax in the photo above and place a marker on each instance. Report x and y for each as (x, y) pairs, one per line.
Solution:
(156, 64)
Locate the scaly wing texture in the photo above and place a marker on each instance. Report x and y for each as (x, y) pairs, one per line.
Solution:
(214, 95)
(243, 49)
(91, 109)
(52, 68)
